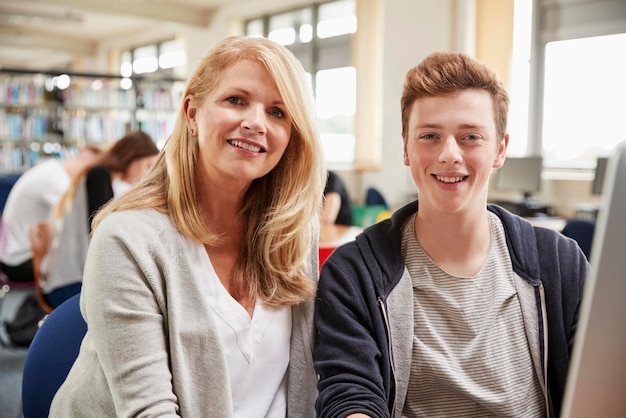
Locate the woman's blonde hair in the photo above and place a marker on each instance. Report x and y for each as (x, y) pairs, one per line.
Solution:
(280, 209)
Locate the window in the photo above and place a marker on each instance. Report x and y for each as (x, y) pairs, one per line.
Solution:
(520, 76)
(584, 106)
(320, 36)
(152, 58)
(577, 82)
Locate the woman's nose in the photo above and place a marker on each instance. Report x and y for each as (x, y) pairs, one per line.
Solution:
(255, 120)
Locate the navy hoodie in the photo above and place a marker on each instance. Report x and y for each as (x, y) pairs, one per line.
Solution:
(353, 348)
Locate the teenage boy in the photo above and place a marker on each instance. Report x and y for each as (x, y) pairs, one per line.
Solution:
(453, 307)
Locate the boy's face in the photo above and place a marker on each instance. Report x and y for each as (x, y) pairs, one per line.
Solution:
(451, 148)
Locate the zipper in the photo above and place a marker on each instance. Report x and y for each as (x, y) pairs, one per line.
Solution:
(383, 310)
(544, 316)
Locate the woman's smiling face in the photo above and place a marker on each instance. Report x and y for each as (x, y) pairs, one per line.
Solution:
(242, 126)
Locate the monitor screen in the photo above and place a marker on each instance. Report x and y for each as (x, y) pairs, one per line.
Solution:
(598, 179)
(596, 382)
(521, 174)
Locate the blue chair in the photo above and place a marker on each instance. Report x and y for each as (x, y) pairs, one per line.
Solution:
(51, 356)
(373, 197)
(582, 231)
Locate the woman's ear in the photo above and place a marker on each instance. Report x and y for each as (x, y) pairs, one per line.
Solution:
(501, 155)
(190, 116)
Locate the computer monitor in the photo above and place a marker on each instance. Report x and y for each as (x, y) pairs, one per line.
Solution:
(596, 383)
(520, 174)
(598, 179)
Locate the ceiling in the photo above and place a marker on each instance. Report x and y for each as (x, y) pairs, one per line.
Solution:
(51, 34)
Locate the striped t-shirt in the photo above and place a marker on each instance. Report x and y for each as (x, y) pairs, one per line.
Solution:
(471, 357)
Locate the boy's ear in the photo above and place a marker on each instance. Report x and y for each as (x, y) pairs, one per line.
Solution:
(405, 156)
(501, 155)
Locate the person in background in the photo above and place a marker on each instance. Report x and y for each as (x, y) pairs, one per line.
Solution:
(452, 307)
(199, 282)
(32, 200)
(337, 208)
(108, 176)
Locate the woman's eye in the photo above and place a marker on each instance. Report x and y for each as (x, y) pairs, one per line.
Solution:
(277, 112)
(234, 100)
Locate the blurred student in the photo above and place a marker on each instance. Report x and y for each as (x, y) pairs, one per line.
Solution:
(32, 200)
(336, 208)
(199, 282)
(452, 307)
(106, 177)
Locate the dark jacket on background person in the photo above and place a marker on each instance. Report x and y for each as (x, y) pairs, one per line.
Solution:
(335, 184)
(364, 302)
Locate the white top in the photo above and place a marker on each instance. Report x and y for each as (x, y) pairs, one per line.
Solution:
(31, 200)
(257, 351)
(120, 187)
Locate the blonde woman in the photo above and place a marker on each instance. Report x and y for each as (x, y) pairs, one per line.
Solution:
(199, 281)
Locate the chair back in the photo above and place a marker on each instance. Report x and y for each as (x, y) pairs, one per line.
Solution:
(40, 235)
(51, 356)
(582, 231)
(373, 197)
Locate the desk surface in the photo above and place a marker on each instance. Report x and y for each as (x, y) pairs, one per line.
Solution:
(332, 235)
(550, 222)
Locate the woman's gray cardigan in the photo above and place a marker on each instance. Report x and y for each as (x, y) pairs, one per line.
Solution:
(152, 346)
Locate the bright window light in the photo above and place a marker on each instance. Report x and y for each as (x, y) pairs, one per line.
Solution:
(255, 28)
(336, 106)
(145, 65)
(172, 54)
(126, 69)
(96, 85)
(63, 81)
(126, 83)
(584, 103)
(336, 92)
(145, 60)
(520, 78)
(306, 33)
(335, 27)
(337, 18)
(285, 36)
(172, 59)
(338, 148)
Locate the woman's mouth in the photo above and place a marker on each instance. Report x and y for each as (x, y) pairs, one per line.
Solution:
(245, 145)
